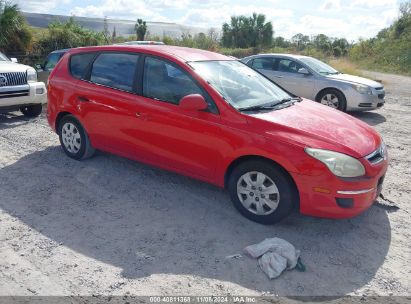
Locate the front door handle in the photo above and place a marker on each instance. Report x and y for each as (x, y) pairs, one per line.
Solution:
(278, 76)
(143, 116)
(83, 99)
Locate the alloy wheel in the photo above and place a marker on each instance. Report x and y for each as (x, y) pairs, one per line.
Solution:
(258, 193)
(71, 137)
(330, 100)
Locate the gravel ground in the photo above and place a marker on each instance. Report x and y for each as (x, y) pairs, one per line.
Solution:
(109, 225)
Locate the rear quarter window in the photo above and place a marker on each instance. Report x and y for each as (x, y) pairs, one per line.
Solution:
(79, 64)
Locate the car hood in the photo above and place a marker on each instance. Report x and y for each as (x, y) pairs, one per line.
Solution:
(7, 67)
(310, 124)
(355, 79)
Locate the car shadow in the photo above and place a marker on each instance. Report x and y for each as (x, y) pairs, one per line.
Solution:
(13, 120)
(149, 221)
(370, 118)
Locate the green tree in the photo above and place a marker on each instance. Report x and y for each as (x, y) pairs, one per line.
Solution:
(70, 34)
(281, 42)
(141, 29)
(300, 41)
(244, 32)
(14, 33)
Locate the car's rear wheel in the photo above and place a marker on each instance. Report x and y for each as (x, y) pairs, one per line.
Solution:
(333, 98)
(74, 139)
(262, 191)
(32, 111)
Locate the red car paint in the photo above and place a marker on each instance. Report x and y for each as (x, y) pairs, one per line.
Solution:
(203, 145)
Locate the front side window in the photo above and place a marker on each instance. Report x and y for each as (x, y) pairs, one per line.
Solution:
(3, 57)
(289, 66)
(165, 82)
(115, 70)
(238, 84)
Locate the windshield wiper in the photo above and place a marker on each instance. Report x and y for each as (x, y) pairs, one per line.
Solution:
(297, 99)
(257, 108)
(270, 106)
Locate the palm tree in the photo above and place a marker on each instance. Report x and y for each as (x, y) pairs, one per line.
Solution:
(141, 29)
(14, 34)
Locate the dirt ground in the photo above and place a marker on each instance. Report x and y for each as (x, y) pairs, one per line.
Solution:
(109, 225)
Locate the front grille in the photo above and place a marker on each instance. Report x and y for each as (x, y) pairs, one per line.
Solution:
(13, 79)
(376, 156)
(365, 105)
(19, 93)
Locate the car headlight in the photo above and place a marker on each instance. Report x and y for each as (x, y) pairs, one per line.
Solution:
(340, 164)
(362, 89)
(31, 75)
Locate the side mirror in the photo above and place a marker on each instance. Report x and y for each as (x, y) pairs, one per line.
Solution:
(14, 60)
(303, 71)
(193, 102)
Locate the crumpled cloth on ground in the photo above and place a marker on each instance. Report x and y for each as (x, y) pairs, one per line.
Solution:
(274, 256)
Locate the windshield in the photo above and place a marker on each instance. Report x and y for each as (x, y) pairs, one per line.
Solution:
(3, 57)
(240, 85)
(319, 66)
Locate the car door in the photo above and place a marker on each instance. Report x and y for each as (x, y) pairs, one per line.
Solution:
(288, 77)
(186, 141)
(107, 102)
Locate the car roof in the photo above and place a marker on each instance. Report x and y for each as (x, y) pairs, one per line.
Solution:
(60, 51)
(277, 55)
(183, 53)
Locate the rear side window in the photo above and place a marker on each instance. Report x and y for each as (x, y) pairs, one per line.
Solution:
(115, 70)
(79, 64)
(263, 63)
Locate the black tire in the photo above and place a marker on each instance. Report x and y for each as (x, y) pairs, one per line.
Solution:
(85, 149)
(288, 194)
(32, 111)
(342, 102)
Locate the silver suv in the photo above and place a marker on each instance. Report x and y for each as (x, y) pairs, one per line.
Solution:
(313, 79)
(19, 88)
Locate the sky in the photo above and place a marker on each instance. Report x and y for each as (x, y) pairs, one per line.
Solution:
(350, 19)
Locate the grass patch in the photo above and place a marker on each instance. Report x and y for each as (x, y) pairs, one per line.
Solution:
(345, 66)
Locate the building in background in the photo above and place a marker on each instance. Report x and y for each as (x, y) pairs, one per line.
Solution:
(123, 27)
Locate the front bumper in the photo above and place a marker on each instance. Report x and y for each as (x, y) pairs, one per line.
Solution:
(365, 102)
(32, 93)
(332, 197)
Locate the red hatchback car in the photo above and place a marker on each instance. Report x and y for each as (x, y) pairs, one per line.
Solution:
(213, 118)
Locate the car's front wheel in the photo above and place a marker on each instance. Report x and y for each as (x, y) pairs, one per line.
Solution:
(262, 191)
(333, 98)
(74, 139)
(32, 111)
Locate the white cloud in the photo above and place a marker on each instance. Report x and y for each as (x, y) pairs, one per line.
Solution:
(331, 5)
(129, 9)
(373, 3)
(216, 16)
(39, 6)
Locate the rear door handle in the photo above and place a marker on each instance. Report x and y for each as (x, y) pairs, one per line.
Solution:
(83, 99)
(278, 76)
